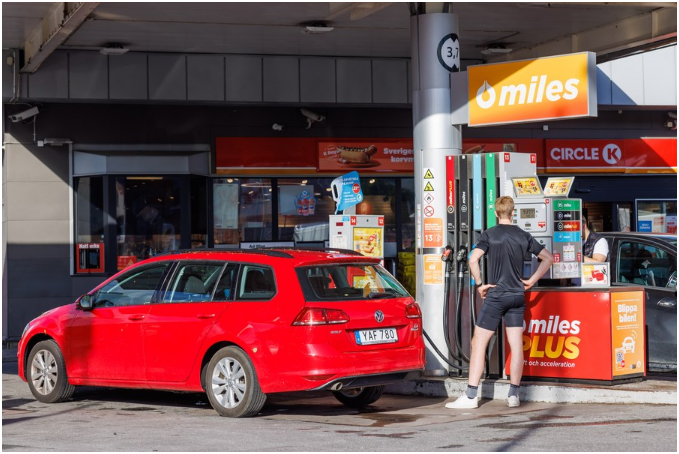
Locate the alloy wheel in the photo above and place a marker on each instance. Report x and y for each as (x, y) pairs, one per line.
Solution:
(228, 382)
(44, 372)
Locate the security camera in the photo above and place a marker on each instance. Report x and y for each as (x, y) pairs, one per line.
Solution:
(26, 114)
(311, 117)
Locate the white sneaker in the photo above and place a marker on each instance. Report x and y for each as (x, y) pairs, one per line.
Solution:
(464, 402)
(513, 401)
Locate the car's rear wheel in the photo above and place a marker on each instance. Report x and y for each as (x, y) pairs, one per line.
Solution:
(46, 370)
(231, 384)
(359, 397)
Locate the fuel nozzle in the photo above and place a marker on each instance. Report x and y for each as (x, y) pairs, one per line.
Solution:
(461, 254)
(448, 254)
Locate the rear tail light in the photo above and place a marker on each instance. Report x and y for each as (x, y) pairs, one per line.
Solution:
(311, 316)
(413, 311)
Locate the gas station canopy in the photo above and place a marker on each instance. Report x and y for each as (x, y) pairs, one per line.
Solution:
(490, 32)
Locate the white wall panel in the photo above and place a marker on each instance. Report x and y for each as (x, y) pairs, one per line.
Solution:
(88, 75)
(660, 77)
(243, 78)
(167, 77)
(51, 79)
(390, 81)
(128, 76)
(354, 81)
(205, 77)
(627, 76)
(317, 80)
(281, 79)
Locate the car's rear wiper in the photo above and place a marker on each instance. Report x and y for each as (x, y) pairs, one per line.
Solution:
(375, 295)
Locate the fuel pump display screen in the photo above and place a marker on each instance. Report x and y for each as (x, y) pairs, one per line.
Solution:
(527, 213)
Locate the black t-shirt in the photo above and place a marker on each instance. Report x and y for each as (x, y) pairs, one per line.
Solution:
(506, 246)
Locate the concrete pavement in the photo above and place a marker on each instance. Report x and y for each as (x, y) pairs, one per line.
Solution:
(653, 390)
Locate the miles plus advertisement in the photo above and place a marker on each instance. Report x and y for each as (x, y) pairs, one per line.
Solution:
(581, 335)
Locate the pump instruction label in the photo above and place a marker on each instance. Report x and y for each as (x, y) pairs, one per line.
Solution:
(433, 269)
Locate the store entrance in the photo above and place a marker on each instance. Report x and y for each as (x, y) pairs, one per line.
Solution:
(148, 217)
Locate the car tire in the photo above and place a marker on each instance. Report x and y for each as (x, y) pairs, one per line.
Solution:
(359, 397)
(231, 384)
(46, 373)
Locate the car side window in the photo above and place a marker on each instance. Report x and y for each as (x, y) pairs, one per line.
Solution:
(135, 287)
(645, 264)
(193, 282)
(256, 283)
(226, 284)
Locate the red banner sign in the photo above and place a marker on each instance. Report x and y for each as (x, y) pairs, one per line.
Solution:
(374, 156)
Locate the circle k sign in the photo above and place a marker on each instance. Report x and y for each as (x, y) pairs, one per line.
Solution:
(585, 154)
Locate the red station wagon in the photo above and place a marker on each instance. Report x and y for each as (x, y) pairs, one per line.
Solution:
(237, 325)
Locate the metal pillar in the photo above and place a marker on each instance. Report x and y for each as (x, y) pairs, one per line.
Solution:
(435, 54)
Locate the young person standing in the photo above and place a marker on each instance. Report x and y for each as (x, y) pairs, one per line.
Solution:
(503, 294)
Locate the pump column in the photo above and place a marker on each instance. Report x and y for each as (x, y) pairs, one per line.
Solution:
(435, 54)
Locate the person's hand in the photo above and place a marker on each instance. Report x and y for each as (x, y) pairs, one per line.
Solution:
(527, 283)
(483, 289)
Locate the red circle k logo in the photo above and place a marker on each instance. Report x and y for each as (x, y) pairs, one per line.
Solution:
(612, 154)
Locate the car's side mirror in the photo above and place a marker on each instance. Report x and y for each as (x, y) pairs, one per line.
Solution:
(85, 302)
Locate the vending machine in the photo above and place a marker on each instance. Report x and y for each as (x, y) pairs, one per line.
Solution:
(361, 233)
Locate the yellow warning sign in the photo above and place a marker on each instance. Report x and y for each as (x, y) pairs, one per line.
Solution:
(429, 187)
(428, 175)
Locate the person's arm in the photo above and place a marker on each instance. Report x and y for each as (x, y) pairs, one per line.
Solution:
(475, 271)
(599, 253)
(546, 261)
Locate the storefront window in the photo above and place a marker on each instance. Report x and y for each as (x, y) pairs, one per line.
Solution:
(254, 219)
(408, 214)
(657, 216)
(379, 198)
(225, 193)
(89, 209)
(198, 205)
(304, 205)
(148, 214)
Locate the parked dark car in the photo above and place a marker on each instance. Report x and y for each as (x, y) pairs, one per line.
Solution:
(650, 260)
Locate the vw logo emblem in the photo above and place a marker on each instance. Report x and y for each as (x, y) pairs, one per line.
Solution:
(379, 316)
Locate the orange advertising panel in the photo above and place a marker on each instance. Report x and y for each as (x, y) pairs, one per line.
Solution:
(627, 316)
(573, 335)
(344, 156)
(532, 90)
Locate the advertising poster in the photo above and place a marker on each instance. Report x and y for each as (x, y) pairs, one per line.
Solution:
(368, 241)
(527, 187)
(561, 340)
(595, 275)
(226, 206)
(346, 191)
(297, 200)
(374, 156)
(627, 315)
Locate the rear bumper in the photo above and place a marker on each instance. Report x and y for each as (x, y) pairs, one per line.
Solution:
(360, 381)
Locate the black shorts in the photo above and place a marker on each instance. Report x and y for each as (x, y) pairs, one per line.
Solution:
(494, 309)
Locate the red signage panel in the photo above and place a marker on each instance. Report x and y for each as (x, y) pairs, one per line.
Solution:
(597, 155)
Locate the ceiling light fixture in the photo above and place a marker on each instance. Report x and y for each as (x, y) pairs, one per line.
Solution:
(114, 49)
(316, 29)
(496, 49)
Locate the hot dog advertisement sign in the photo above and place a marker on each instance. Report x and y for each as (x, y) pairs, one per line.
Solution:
(373, 156)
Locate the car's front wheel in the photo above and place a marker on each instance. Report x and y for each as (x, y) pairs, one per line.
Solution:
(231, 384)
(47, 377)
(359, 397)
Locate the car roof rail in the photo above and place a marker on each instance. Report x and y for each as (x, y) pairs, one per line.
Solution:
(264, 251)
(319, 249)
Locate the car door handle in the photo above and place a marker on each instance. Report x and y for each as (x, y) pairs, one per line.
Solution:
(136, 317)
(205, 315)
(667, 302)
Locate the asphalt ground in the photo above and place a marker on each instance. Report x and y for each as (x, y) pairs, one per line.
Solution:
(106, 419)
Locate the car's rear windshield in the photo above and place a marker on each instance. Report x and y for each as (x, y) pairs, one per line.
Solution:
(349, 281)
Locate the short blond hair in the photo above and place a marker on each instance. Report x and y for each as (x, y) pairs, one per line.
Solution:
(504, 207)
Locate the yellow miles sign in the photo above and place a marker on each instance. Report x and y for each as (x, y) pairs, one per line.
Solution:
(533, 90)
